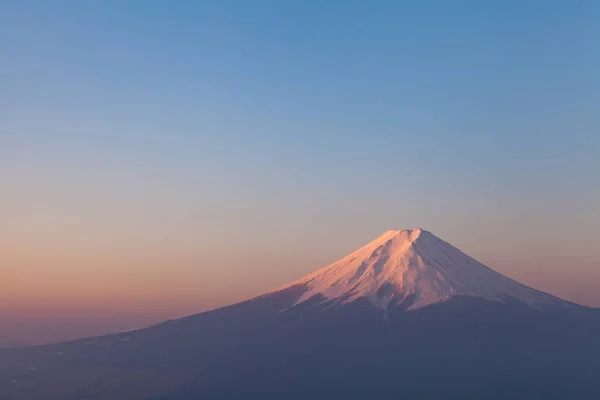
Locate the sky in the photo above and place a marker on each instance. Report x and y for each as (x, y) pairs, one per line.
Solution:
(163, 158)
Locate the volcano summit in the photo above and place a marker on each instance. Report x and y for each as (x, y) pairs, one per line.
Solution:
(415, 267)
(407, 316)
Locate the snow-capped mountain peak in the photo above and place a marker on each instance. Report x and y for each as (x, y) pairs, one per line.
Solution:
(416, 267)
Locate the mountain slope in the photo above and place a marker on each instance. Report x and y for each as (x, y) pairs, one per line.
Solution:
(415, 264)
(406, 316)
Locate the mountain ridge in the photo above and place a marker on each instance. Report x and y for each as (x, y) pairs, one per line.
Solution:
(306, 340)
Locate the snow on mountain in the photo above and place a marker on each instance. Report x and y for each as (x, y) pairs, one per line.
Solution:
(416, 266)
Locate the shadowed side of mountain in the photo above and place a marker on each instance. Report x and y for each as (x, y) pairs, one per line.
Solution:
(463, 348)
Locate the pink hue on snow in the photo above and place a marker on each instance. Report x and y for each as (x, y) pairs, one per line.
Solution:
(416, 264)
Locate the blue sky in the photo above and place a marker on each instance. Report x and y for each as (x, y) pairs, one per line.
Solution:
(295, 128)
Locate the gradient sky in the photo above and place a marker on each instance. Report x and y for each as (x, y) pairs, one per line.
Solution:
(167, 157)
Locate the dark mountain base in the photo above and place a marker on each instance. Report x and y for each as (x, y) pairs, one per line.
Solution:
(459, 349)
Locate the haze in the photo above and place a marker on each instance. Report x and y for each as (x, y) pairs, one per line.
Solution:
(160, 159)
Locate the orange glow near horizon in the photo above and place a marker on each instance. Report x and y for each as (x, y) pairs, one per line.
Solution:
(58, 282)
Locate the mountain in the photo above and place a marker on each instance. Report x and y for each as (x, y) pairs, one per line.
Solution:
(415, 268)
(408, 316)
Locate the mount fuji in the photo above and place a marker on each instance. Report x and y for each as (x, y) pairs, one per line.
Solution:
(415, 268)
(407, 316)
